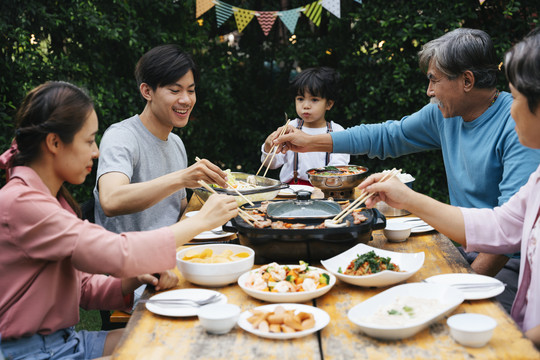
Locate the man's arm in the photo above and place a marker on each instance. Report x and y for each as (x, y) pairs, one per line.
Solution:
(118, 196)
(489, 264)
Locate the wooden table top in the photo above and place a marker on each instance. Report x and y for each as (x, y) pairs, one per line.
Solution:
(150, 336)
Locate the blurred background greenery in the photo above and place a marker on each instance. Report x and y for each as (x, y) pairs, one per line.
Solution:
(243, 93)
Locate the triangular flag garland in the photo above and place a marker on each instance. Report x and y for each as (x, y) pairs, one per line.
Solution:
(266, 19)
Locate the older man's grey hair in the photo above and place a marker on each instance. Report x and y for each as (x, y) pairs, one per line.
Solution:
(461, 50)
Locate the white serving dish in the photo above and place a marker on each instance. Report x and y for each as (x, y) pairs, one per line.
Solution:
(321, 320)
(449, 297)
(214, 275)
(409, 263)
(290, 297)
(182, 310)
(473, 330)
(470, 279)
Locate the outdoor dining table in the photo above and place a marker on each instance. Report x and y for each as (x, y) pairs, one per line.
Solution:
(150, 336)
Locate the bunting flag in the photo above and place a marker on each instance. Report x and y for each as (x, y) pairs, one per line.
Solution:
(266, 20)
(223, 12)
(313, 11)
(243, 17)
(482, 1)
(290, 18)
(203, 6)
(333, 6)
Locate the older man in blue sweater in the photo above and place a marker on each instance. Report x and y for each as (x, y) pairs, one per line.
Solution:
(468, 119)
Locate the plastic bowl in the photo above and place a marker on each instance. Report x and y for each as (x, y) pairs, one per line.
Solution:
(474, 330)
(397, 232)
(215, 274)
(218, 318)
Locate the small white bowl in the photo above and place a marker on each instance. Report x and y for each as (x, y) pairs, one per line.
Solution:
(214, 275)
(218, 318)
(397, 232)
(474, 330)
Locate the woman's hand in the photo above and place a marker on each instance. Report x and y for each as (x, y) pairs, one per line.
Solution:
(164, 280)
(217, 210)
(392, 191)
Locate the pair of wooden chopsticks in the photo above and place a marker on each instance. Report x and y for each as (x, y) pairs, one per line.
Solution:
(362, 198)
(244, 215)
(232, 186)
(272, 151)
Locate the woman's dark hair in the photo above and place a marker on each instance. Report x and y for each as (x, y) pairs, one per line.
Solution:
(461, 50)
(319, 81)
(53, 107)
(163, 65)
(522, 67)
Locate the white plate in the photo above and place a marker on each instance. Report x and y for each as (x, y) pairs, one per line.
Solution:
(290, 297)
(321, 320)
(290, 191)
(409, 262)
(417, 225)
(179, 311)
(470, 294)
(446, 295)
(207, 235)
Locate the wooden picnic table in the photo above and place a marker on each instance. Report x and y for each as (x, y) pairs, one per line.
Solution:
(150, 336)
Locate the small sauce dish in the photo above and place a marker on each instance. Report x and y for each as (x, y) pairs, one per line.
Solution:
(218, 318)
(397, 232)
(473, 330)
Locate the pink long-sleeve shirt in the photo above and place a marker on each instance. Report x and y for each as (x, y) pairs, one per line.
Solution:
(51, 261)
(509, 228)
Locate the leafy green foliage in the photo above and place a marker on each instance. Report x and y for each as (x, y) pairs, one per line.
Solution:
(243, 90)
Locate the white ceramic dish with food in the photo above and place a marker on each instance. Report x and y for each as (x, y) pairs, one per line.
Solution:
(417, 225)
(471, 293)
(473, 330)
(286, 297)
(321, 320)
(447, 297)
(185, 309)
(208, 235)
(215, 274)
(409, 263)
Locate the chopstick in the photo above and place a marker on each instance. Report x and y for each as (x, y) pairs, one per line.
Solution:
(231, 184)
(362, 198)
(244, 215)
(272, 151)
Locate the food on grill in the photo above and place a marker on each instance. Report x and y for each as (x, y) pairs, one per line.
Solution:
(369, 263)
(282, 278)
(261, 221)
(281, 320)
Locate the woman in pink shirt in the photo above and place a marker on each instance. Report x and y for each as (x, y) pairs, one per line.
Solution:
(512, 227)
(51, 261)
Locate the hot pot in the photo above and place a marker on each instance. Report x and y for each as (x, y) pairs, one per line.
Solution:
(288, 246)
(335, 184)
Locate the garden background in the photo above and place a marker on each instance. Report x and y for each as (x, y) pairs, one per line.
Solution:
(242, 94)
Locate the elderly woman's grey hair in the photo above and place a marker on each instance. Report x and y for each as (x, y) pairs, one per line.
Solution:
(463, 50)
(522, 66)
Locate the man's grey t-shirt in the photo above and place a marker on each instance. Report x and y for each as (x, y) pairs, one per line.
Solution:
(129, 148)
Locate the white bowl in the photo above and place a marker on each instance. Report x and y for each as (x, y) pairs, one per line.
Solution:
(397, 232)
(218, 318)
(291, 297)
(409, 263)
(213, 275)
(448, 297)
(474, 330)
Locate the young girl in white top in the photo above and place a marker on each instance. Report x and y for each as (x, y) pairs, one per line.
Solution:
(315, 91)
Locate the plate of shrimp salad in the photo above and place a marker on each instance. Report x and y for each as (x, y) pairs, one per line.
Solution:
(286, 283)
